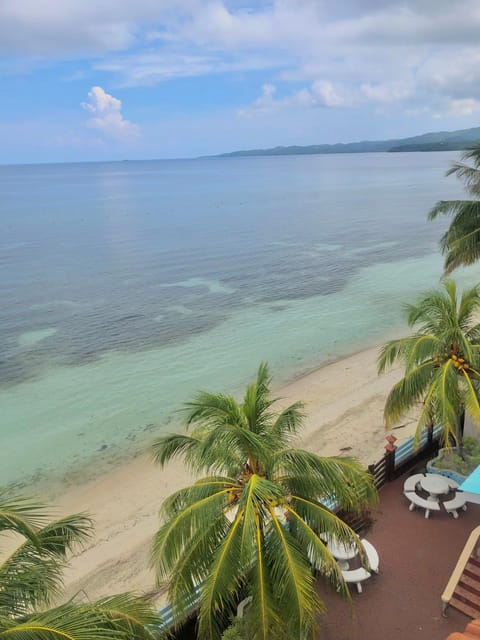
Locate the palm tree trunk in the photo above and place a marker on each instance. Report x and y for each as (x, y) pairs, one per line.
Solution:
(460, 428)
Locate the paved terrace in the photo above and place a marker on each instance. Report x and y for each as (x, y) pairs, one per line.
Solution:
(417, 557)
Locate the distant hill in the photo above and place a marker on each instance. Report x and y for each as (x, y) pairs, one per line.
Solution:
(435, 141)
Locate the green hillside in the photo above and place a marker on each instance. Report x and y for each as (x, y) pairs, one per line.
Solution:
(434, 141)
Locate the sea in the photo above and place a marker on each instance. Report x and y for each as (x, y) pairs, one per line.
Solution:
(126, 287)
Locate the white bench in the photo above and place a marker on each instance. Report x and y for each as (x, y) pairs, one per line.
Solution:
(451, 483)
(418, 501)
(372, 555)
(458, 502)
(410, 483)
(356, 576)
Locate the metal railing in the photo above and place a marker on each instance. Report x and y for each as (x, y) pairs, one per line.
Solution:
(398, 460)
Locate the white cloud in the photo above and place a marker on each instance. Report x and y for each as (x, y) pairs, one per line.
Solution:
(326, 94)
(321, 93)
(387, 92)
(465, 106)
(107, 117)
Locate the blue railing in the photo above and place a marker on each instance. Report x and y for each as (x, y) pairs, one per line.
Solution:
(407, 449)
(166, 613)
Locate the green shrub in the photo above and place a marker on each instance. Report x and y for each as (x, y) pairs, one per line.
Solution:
(236, 631)
(450, 459)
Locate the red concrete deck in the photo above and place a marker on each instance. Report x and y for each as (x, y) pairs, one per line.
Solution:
(417, 557)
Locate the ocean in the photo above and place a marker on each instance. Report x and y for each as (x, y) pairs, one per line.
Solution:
(128, 286)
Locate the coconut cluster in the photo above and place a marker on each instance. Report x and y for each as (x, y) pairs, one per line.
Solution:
(459, 363)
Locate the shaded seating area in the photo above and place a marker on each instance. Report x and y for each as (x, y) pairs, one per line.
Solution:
(350, 561)
(417, 558)
(418, 501)
(372, 556)
(458, 502)
(424, 490)
(356, 576)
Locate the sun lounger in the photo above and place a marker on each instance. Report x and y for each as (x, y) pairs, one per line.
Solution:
(458, 502)
(418, 501)
(356, 576)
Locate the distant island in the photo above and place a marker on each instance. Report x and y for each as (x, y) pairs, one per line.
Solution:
(435, 141)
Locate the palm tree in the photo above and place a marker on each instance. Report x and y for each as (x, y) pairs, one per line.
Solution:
(441, 359)
(30, 579)
(250, 528)
(461, 243)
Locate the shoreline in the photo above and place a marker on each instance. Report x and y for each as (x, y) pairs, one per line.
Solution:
(344, 416)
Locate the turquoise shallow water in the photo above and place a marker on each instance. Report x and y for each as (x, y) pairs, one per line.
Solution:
(131, 285)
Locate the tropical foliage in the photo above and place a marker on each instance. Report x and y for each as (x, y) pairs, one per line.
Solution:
(441, 360)
(31, 579)
(449, 458)
(250, 528)
(461, 242)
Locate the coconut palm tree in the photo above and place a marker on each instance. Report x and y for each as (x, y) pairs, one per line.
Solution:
(461, 243)
(441, 359)
(250, 528)
(30, 579)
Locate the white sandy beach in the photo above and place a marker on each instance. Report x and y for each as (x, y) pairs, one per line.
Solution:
(344, 403)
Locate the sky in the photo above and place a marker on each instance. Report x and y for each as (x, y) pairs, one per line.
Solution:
(141, 79)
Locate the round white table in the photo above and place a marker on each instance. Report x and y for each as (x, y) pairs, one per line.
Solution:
(434, 484)
(341, 552)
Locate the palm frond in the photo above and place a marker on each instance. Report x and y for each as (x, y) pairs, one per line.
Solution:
(171, 445)
(61, 536)
(470, 176)
(288, 422)
(121, 617)
(214, 410)
(292, 579)
(460, 242)
(390, 352)
(469, 305)
(187, 513)
(230, 443)
(472, 398)
(448, 397)
(407, 392)
(267, 620)
(29, 580)
(21, 515)
(218, 591)
(318, 554)
(340, 479)
(32, 575)
(422, 349)
(257, 402)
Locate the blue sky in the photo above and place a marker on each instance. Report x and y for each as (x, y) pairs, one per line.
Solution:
(116, 79)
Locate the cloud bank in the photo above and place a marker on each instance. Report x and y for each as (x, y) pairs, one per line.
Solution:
(281, 71)
(418, 53)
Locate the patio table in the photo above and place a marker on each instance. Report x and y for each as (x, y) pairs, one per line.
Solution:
(341, 552)
(435, 485)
